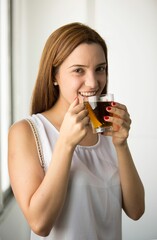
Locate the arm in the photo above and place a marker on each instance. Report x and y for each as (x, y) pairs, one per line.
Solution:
(132, 187)
(40, 196)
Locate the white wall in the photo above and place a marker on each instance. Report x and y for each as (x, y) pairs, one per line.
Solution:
(130, 30)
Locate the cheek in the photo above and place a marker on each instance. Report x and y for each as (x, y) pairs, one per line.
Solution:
(102, 84)
(69, 81)
(76, 83)
(69, 87)
(104, 81)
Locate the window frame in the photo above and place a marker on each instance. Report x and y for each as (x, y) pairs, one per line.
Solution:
(5, 8)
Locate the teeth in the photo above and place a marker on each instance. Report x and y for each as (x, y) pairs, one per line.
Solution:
(87, 94)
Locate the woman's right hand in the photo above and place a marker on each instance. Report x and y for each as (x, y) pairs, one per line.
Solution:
(75, 124)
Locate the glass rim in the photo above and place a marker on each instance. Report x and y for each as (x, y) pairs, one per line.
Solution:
(106, 96)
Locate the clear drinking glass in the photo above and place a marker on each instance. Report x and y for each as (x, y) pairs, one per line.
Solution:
(96, 106)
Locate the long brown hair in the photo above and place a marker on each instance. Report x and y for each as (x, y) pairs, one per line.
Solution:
(57, 48)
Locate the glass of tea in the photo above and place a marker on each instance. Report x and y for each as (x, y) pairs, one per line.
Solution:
(96, 106)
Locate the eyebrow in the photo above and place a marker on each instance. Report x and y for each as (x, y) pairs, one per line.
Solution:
(81, 65)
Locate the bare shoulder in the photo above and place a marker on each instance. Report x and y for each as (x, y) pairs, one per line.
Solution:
(20, 129)
(20, 140)
(22, 148)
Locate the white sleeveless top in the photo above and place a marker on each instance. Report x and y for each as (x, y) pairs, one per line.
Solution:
(92, 209)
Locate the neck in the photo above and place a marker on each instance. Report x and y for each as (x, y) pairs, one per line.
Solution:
(56, 114)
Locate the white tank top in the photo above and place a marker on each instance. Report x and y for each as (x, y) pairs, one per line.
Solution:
(92, 209)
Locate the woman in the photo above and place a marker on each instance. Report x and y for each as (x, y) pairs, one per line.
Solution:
(71, 183)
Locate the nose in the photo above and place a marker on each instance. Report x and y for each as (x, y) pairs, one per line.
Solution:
(91, 81)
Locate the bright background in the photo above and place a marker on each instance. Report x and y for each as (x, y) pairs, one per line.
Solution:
(130, 30)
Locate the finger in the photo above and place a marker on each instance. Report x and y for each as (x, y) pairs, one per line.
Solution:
(74, 103)
(119, 105)
(120, 123)
(82, 114)
(76, 107)
(86, 121)
(121, 113)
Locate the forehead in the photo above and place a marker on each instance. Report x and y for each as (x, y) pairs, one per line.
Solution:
(87, 52)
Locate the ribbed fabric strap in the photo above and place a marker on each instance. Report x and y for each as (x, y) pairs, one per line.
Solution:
(38, 143)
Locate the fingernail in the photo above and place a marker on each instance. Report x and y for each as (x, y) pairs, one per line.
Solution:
(108, 108)
(113, 103)
(106, 118)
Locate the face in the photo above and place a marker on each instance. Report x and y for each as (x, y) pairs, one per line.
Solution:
(83, 73)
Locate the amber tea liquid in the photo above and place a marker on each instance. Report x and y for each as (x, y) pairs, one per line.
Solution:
(100, 111)
(97, 111)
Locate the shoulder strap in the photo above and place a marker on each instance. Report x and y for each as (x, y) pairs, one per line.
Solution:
(37, 140)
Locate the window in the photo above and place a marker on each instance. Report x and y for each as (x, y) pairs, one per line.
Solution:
(5, 95)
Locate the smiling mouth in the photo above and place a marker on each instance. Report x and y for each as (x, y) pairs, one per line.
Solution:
(88, 94)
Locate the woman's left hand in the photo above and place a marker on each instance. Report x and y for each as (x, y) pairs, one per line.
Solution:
(121, 123)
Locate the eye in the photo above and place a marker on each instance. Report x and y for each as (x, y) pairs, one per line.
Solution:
(78, 70)
(101, 69)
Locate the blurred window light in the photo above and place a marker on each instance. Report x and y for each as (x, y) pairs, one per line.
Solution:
(5, 95)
